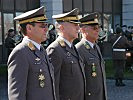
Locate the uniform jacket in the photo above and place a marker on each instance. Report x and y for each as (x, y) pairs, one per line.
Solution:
(123, 43)
(30, 74)
(94, 71)
(69, 71)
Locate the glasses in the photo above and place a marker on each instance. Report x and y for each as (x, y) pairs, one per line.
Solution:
(95, 27)
(44, 26)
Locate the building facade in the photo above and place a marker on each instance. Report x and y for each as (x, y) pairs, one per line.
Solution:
(8, 10)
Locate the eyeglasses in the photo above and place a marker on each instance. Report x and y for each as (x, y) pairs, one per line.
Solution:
(95, 27)
(44, 26)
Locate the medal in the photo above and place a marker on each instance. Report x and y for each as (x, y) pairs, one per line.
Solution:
(42, 84)
(94, 74)
(41, 79)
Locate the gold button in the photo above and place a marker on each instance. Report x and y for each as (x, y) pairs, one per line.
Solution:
(89, 93)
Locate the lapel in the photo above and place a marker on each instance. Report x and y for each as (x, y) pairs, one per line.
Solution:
(89, 48)
(66, 47)
(76, 54)
(40, 55)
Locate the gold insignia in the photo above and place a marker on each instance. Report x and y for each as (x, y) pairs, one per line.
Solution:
(94, 74)
(42, 84)
(41, 77)
(31, 46)
(37, 59)
(62, 43)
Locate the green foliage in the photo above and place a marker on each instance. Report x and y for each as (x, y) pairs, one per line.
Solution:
(128, 74)
(109, 68)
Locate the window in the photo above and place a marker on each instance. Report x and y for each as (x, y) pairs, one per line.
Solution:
(8, 23)
(17, 25)
(107, 20)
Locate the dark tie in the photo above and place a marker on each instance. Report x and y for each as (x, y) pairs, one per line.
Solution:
(41, 48)
(96, 50)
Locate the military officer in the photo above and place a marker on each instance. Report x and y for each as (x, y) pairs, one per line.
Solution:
(119, 44)
(68, 66)
(30, 74)
(92, 58)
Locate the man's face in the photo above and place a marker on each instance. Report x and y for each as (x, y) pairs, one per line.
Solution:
(39, 32)
(71, 30)
(92, 32)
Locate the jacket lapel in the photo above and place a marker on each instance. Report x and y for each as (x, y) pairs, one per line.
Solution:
(89, 48)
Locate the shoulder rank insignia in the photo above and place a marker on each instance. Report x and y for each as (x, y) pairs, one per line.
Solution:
(94, 74)
(62, 43)
(31, 46)
(87, 45)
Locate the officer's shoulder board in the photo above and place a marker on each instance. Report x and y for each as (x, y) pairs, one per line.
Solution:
(62, 43)
(31, 46)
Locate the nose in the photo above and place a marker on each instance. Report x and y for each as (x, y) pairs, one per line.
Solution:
(45, 29)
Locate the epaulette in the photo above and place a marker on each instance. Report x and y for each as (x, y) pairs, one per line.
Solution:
(87, 45)
(31, 46)
(62, 43)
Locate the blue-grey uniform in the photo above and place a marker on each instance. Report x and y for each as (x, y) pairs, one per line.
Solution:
(68, 67)
(30, 74)
(94, 71)
(92, 58)
(69, 71)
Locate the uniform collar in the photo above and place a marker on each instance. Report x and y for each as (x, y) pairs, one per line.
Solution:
(90, 43)
(66, 41)
(35, 43)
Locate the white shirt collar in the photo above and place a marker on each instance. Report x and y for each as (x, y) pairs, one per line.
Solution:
(90, 43)
(35, 43)
(67, 42)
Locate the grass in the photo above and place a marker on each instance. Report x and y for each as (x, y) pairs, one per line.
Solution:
(128, 74)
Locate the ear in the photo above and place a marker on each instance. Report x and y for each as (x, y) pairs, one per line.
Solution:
(29, 27)
(61, 27)
(82, 30)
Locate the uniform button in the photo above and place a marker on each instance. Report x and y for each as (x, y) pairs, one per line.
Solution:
(69, 99)
(89, 94)
(40, 70)
(72, 62)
